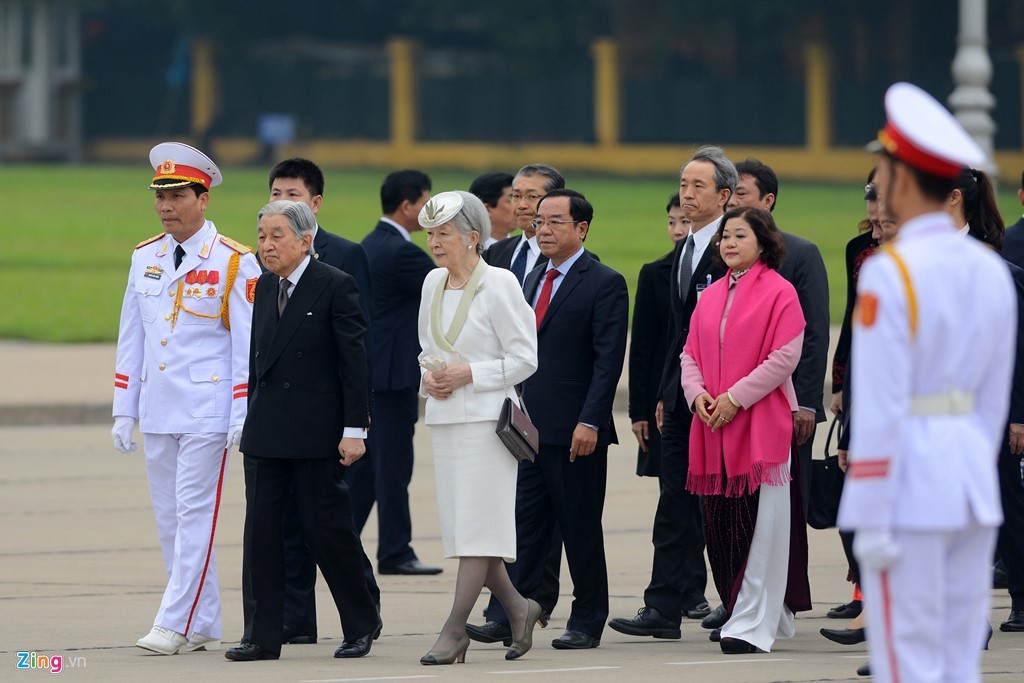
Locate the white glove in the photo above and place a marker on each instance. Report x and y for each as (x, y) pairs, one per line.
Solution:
(875, 548)
(234, 436)
(122, 434)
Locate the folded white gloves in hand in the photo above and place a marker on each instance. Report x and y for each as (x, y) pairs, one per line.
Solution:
(122, 434)
(876, 549)
(234, 436)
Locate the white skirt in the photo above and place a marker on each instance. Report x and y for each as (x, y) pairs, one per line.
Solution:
(476, 490)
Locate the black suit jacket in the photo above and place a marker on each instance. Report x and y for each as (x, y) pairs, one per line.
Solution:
(397, 270)
(671, 390)
(307, 371)
(647, 348)
(1013, 244)
(1017, 388)
(804, 268)
(500, 253)
(581, 346)
(857, 249)
(349, 257)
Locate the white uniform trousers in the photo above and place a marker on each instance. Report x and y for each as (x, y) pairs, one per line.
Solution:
(928, 613)
(186, 473)
(760, 615)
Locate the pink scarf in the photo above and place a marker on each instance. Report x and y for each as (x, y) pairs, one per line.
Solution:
(764, 316)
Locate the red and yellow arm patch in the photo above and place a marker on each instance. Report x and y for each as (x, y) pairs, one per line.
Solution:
(867, 309)
(250, 289)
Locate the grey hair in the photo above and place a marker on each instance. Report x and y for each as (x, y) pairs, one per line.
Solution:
(554, 181)
(300, 218)
(472, 216)
(725, 172)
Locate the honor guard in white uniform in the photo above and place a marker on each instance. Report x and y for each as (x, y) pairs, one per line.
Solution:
(932, 357)
(182, 371)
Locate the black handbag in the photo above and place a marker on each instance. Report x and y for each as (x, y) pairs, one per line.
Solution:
(515, 428)
(826, 485)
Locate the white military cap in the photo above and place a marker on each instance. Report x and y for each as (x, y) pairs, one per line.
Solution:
(177, 165)
(441, 208)
(921, 133)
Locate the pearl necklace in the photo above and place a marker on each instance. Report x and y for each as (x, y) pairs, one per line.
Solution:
(453, 286)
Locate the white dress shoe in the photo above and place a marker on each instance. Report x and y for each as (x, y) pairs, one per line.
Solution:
(163, 641)
(197, 641)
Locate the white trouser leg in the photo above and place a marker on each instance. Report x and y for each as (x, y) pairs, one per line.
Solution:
(161, 471)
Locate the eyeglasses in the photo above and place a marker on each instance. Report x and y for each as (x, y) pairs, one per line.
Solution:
(515, 198)
(539, 223)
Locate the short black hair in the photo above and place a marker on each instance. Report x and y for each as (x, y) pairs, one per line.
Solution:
(673, 202)
(763, 175)
(408, 185)
(554, 181)
(933, 187)
(490, 186)
(579, 208)
(769, 238)
(303, 169)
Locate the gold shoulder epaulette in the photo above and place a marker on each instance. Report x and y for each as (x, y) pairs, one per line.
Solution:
(237, 246)
(152, 239)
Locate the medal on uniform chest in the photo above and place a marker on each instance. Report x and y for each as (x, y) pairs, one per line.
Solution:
(153, 272)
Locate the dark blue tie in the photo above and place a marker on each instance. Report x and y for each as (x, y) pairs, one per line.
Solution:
(179, 255)
(519, 265)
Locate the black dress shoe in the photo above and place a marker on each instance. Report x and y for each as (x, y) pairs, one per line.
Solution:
(647, 622)
(716, 619)
(699, 611)
(491, 632)
(294, 636)
(735, 646)
(864, 669)
(844, 636)
(575, 640)
(412, 567)
(848, 611)
(1015, 623)
(250, 652)
(360, 647)
(715, 636)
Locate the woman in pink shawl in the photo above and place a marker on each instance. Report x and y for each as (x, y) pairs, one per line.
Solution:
(744, 343)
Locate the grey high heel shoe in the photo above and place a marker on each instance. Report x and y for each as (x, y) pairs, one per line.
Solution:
(523, 645)
(456, 654)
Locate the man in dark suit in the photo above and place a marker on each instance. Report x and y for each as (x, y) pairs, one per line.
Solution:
(307, 405)
(803, 266)
(397, 270)
(300, 180)
(648, 343)
(678, 573)
(521, 253)
(582, 311)
(494, 190)
(1013, 244)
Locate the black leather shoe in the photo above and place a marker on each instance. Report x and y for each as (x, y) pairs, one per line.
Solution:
(250, 652)
(844, 636)
(716, 619)
(735, 646)
(294, 636)
(848, 611)
(360, 647)
(412, 567)
(699, 611)
(647, 622)
(575, 640)
(864, 669)
(491, 632)
(1015, 623)
(716, 635)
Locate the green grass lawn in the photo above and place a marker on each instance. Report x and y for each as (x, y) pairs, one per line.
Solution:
(68, 238)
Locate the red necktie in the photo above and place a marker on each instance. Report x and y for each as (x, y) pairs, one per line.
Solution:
(545, 295)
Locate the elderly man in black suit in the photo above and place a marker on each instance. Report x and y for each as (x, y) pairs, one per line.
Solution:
(582, 309)
(521, 253)
(1013, 243)
(308, 410)
(397, 270)
(301, 180)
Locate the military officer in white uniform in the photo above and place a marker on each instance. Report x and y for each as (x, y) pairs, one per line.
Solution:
(182, 371)
(932, 357)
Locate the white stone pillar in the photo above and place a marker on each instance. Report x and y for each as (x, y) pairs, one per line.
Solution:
(971, 100)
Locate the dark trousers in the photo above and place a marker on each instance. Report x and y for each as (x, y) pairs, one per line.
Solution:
(806, 452)
(678, 573)
(553, 492)
(1011, 533)
(326, 519)
(383, 475)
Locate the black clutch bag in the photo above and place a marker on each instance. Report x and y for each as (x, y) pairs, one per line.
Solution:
(517, 432)
(826, 486)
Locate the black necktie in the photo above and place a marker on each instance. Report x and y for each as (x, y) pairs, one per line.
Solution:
(519, 265)
(686, 269)
(282, 297)
(179, 256)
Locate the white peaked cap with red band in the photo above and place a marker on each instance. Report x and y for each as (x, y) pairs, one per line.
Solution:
(177, 165)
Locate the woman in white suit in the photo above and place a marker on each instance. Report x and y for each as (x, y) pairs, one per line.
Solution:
(479, 340)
